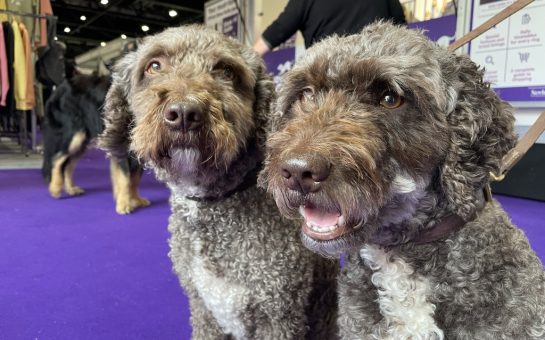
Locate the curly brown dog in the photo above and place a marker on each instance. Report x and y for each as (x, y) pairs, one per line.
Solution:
(194, 104)
(383, 142)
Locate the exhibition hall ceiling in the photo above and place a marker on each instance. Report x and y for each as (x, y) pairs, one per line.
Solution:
(85, 24)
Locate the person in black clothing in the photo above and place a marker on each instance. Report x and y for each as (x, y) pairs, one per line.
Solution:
(317, 19)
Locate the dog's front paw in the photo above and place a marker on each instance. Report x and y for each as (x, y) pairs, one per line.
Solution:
(123, 207)
(74, 191)
(55, 191)
(139, 202)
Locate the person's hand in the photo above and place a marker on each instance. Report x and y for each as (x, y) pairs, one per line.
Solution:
(261, 47)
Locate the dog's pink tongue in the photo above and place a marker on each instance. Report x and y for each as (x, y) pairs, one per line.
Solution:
(321, 218)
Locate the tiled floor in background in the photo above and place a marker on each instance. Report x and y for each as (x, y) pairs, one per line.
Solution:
(12, 156)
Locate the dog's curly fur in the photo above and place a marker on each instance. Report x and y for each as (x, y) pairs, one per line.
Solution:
(241, 264)
(403, 135)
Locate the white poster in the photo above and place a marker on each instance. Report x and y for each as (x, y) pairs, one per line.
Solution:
(513, 52)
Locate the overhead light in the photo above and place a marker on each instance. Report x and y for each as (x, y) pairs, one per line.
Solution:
(67, 29)
(83, 18)
(56, 38)
(102, 43)
(172, 13)
(123, 36)
(145, 28)
(103, 2)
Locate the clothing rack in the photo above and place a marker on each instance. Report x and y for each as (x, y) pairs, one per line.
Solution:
(22, 135)
(37, 16)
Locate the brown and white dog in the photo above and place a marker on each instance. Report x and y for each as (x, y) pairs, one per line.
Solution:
(194, 106)
(383, 142)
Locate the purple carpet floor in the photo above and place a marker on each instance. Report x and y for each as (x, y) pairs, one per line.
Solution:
(74, 269)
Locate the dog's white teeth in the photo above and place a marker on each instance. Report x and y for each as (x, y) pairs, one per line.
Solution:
(321, 229)
(302, 210)
(341, 222)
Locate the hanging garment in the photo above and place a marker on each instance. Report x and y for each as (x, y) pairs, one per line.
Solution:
(29, 97)
(45, 28)
(4, 82)
(7, 112)
(27, 7)
(19, 68)
(3, 16)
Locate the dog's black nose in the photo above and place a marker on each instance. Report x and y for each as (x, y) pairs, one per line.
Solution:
(185, 116)
(305, 173)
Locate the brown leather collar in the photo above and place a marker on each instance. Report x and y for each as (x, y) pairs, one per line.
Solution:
(448, 225)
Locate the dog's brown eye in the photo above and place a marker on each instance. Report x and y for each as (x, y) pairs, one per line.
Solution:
(391, 100)
(153, 66)
(228, 73)
(307, 94)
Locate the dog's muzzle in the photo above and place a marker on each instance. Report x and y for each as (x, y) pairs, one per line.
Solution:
(305, 173)
(184, 116)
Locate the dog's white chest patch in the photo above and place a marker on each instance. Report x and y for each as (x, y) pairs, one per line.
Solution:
(402, 298)
(226, 300)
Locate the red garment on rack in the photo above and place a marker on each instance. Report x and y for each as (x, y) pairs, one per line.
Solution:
(45, 9)
(4, 80)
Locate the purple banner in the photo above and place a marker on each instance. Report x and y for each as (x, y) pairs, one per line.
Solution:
(442, 30)
(230, 26)
(279, 62)
(535, 93)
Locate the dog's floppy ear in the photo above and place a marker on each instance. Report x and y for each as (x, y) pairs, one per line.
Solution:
(118, 119)
(481, 132)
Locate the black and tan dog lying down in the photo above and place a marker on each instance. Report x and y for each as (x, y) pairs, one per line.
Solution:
(72, 120)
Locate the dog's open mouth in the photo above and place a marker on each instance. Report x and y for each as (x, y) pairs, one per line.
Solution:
(321, 224)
